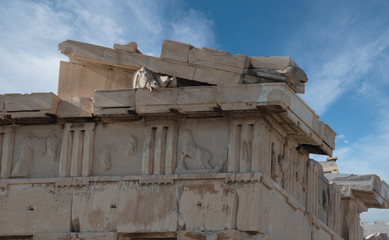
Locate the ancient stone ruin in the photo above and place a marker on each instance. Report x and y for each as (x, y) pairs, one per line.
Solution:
(196, 144)
(376, 230)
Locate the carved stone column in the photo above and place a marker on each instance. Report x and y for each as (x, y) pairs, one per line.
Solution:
(159, 149)
(6, 150)
(334, 215)
(249, 148)
(351, 227)
(312, 198)
(77, 150)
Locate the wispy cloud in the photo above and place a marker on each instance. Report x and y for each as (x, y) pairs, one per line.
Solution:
(340, 46)
(32, 30)
(183, 28)
(345, 70)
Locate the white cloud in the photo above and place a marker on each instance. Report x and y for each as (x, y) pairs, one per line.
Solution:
(341, 72)
(26, 72)
(183, 29)
(31, 32)
(340, 51)
(340, 136)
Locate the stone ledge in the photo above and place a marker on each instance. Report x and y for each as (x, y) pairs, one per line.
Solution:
(74, 236)
(188, 100)
(123, 98)
(69, 182)
(34, 105)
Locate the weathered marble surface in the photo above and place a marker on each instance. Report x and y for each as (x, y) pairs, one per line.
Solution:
(208, 203)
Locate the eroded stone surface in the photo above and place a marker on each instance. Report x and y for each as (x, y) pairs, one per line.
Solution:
(175, 50)
(377, 236)
(27, 209)
(131, 47)
(75, 107)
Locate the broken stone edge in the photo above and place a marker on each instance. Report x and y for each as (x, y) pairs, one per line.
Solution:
(370, 189)
(180, 60)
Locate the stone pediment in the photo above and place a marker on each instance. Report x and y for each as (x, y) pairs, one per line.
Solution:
(191, 65)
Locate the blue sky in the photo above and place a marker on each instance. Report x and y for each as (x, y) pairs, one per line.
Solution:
(343, 46)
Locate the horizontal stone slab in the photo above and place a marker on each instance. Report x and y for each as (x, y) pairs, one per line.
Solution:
(73, 235)
(30, 106)
(197, 99)
(216, 77)
(81, 50)
(279, 63)
(158, 101)
(206, 57)
(228, 62)
(218, 59)
(31, 102)
(125, 59)
(171, 68)
(202, 57)
(114, 98)
(242, 97)
(175, 50)
(228, 98)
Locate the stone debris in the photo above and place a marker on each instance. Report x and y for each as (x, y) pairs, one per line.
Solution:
(131, 47)
(196, 144)
(378, 228)
(369, 188)
(330, 166)
(282, 69)
(377, 236)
